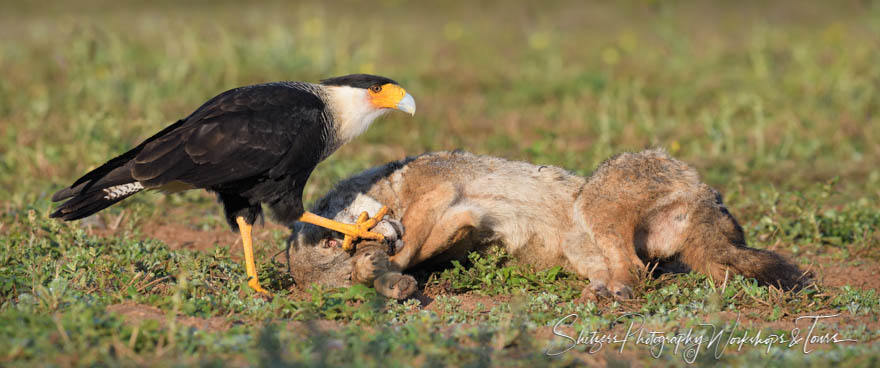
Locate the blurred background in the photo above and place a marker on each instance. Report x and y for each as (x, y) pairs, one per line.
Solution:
(776, 103)
(758, 95)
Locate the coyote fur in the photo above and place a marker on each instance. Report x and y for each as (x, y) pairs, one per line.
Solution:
(635, 208)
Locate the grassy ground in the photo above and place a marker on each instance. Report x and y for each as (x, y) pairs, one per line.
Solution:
(777, 106)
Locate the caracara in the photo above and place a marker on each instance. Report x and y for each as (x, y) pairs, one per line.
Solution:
(250, 145)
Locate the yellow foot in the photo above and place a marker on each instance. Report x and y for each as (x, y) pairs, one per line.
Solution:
(247, 242)
(360, 229)
(255, 284)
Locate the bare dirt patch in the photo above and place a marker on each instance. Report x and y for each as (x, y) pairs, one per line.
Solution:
(181, 236)
(862, 273)
(470, 302)
(136, 314)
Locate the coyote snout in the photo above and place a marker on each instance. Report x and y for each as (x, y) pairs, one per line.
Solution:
(635, 208)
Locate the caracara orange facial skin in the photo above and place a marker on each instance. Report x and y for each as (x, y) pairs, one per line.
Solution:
(391, 96)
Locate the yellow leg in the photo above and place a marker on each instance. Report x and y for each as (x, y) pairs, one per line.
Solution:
(245, 229)
(358, 230)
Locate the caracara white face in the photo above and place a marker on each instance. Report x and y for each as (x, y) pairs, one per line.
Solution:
(356, 101)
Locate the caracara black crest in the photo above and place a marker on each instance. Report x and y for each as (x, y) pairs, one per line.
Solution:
(251, 145)
(357, 80)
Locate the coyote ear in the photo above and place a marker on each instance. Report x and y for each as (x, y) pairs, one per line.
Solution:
(291, 241)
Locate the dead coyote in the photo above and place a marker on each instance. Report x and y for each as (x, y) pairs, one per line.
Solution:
(635, 208)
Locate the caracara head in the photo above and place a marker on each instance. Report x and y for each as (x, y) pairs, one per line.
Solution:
(356, 100)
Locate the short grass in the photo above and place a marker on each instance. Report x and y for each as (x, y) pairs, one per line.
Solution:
(776, 104)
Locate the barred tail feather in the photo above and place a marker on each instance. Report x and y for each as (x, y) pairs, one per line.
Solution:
(95, 199)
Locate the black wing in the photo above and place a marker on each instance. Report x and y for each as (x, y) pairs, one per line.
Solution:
(242, 133)
(259, 132)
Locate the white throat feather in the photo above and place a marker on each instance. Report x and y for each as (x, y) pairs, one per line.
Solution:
(352, 111)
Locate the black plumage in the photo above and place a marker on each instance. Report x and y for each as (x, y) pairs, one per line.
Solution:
(358, 81)
(250, 145)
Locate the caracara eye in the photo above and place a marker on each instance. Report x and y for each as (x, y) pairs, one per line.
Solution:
(376, 89)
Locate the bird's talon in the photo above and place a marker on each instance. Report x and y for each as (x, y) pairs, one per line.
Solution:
(255, 285)
(361, 229)
(347, 243)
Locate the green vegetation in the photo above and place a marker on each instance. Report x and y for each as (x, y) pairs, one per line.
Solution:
(777, 105)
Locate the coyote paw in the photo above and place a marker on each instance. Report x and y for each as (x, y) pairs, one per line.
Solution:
(600, 290)
(396, 285)
(595, 291)
(392, 230)
(368, 265)
(620, 291)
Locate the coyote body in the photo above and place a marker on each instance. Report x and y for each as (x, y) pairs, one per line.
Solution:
(635, 208)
